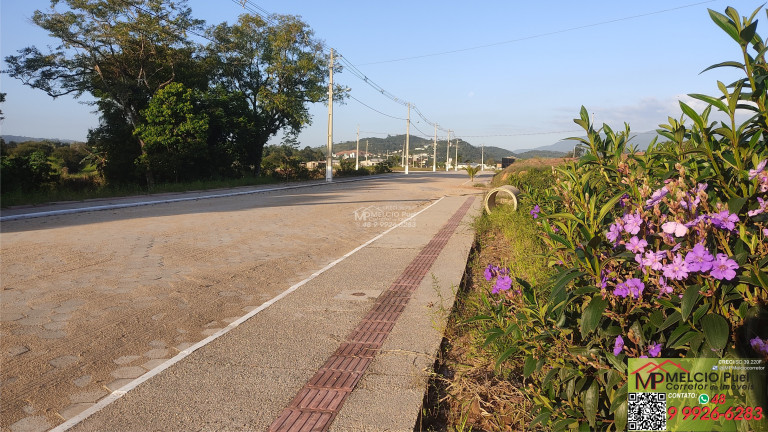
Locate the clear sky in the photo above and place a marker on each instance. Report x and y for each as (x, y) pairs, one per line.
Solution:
(509, 73)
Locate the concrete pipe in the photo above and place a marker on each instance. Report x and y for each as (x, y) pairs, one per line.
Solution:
(506, 194)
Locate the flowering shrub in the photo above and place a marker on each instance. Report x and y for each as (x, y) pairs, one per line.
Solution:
(660, 254)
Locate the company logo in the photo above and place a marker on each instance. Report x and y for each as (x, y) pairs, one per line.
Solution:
(653, 374)
(382, 216)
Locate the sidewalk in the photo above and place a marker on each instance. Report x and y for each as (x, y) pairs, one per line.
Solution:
(249, 377)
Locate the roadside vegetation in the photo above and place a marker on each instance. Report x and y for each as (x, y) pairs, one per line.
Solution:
(656, 254)
(172, 110)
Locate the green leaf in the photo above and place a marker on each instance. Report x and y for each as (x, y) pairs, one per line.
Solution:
(590, 318)
(690, 297)
(710, 100)
(657, 318)
(676, 333)
(691, 113)
(725, 23)
(618, 397)
(590, 402)
(700, 312)
(737, 65)
(562, 424)
(557, 294)
(620, 416)
(505, 355)
(529, 366)
(736, 204)
(716, 330)
(542, 418)
(673, 318)
(684, 339)
(748, 32)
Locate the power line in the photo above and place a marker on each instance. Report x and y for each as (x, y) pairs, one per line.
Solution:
(374, 109)
(522, 134)
(352, 69)
(540, 35)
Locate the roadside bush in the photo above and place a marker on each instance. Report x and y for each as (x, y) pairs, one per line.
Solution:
(661, 254)
(26, 172)
(383, 167)
(347, 168)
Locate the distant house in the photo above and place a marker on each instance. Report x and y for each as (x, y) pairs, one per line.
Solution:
(349, 154)
(314, 164)
(371, 162)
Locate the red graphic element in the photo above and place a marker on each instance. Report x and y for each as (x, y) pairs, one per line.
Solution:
(659, 367)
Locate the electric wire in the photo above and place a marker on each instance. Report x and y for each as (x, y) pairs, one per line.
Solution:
(374, 109)
(540, 35)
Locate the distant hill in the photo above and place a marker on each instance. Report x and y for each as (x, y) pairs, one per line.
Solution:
(20, 139)
(640, 140)
(393, 144)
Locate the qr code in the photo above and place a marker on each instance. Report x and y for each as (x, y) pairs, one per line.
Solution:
(647, 411)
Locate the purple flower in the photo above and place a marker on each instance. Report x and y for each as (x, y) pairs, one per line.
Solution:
(618, 345)
(765, 232)
(677, 269)
(675, 228)
(758, 345)
(657, 196)
(653, 260)
(699, 259)
(724, 220)
(503, 283)
(635, 287)
(654, 350)
(664, 288)
(535, 211)
(636, 245)
(614, 231)
(490, 272)
(621, 290)
(758, 169)
(761, 208)
(625, 200)
(723, 268)
(632, 222)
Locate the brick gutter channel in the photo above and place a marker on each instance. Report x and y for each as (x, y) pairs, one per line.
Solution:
(316, 405)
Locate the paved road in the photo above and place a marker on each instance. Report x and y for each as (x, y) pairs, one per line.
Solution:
(92, 301)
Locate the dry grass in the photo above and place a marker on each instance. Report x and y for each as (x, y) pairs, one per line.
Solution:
(467, 393)
(523, 165)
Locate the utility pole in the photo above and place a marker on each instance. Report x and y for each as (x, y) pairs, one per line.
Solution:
(447, 149)
(366, 150)
(482, 157)
(434, 152)
(357, 150)
(456, 162)
(407, 137)
(329, 156)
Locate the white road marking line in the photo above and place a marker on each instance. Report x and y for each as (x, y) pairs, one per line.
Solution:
(172, 200)
(117, 394)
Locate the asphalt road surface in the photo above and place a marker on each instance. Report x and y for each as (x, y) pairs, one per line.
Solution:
(91, 301)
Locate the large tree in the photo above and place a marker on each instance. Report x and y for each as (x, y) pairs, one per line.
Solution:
(277, 67)
(122, 51)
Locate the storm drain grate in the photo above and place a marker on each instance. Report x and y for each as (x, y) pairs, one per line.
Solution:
(315, 406)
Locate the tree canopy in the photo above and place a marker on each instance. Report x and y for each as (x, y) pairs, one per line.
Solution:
(251, 80)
